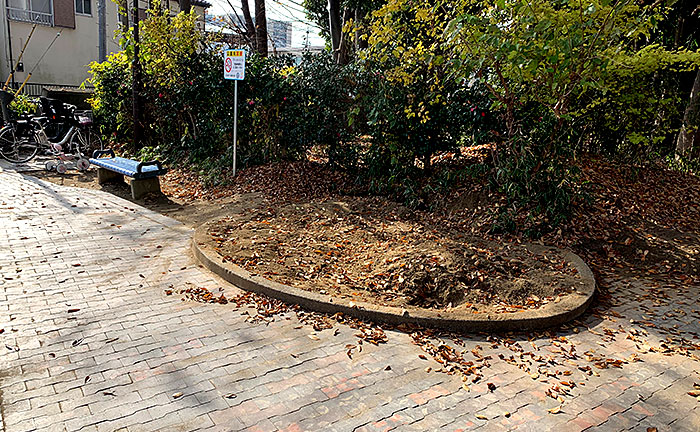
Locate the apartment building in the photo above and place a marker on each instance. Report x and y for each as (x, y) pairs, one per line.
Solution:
(63, 59)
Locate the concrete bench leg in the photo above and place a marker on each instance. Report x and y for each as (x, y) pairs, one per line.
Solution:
(106, 176)
(141, 187)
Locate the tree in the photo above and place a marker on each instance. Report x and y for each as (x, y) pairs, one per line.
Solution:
(688, 137)
(317, 13)
(185, 6)
(260, 28)
(123, 15)
(249, 26)
(334, 17)
(418, 107)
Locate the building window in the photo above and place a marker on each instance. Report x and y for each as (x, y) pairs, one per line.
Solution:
(33, 11)
(83, 7)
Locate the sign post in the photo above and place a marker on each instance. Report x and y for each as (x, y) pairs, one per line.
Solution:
(234, 69)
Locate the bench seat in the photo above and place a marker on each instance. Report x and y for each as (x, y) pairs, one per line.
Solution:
(129, 167)
(113, 168)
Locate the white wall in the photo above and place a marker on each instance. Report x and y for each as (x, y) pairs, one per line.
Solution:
(67, 61)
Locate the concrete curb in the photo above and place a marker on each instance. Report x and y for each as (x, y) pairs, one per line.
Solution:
(551, 314)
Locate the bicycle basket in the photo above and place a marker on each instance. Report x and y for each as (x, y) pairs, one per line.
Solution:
(84, 117)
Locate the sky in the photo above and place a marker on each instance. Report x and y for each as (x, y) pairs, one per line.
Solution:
(283, 10)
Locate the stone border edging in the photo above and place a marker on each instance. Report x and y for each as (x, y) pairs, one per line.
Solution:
(551, 314)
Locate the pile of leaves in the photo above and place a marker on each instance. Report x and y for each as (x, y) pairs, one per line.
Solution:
(642, 220)
(277, 182)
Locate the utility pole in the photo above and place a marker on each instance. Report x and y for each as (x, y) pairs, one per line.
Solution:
(102, 30)
(9, 43)
(136, 87)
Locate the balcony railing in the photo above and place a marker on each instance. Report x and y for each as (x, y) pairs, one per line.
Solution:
(24, 15)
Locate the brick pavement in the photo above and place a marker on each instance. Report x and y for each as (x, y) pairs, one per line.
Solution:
(93, 343)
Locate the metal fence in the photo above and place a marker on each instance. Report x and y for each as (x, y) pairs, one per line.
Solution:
(36, 89)
(30, 16)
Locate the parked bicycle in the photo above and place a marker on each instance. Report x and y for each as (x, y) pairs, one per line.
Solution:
(60, 130)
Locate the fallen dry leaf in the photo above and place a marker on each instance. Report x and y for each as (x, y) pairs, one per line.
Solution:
(555, 410)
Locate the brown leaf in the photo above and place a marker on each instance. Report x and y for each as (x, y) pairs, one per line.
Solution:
(555, 410)
(73, 310)
(87, 378)
(177, 395)
(422, 357)
(230, 396)
(387, 368)
(481, 417)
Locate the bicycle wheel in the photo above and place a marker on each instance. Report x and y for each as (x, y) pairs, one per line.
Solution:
(85, 141)
(16, 148)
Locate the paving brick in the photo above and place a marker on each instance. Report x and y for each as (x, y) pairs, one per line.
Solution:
(281, 379)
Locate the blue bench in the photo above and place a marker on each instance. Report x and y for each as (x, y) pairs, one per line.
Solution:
(144, 175)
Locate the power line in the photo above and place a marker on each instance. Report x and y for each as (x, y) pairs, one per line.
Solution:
(296, 19)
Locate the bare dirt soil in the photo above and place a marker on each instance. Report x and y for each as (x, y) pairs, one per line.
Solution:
(372, 250)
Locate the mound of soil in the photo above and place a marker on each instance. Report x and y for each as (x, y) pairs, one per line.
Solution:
(373, 250)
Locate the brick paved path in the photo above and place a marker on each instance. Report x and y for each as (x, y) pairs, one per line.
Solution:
(94, 343)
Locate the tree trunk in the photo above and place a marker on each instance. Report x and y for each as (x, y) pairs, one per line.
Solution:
(427, 165)
(335, 26)
(185, 6)
(249, 26)
(691, 121)
(344, 45)
(360, 40)
(123, 15)
(260, 28)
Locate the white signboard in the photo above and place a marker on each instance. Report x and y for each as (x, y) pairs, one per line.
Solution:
(234, 64)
